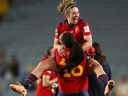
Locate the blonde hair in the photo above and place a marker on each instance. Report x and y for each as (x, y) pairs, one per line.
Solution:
(65, 5)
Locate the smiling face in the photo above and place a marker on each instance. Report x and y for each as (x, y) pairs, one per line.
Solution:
(73, 15)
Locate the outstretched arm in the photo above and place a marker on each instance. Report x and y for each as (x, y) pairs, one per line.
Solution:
(48, 64)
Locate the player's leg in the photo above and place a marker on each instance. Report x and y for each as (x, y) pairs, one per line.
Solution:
(106, 85)
(94, 66)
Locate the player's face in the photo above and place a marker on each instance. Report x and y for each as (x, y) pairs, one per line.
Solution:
(73, 15)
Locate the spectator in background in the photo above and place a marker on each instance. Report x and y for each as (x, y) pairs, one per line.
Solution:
(94, 87)
(1, 93)
(4, 8)
(122, 87)
(14, 66)
(3, 63)
(48, 78)
(12, 70)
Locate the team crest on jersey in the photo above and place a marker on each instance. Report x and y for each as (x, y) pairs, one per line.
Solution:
(86, 29)
(77, 29)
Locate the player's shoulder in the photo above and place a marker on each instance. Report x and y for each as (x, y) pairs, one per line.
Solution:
(43, 58)
(82, 21)
(60, 24)
(57, 53)
(55, 50)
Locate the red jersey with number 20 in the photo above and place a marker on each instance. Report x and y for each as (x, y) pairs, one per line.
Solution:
(79, 30)
(74, 80)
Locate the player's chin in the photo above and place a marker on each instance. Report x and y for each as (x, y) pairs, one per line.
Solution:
(75, 21)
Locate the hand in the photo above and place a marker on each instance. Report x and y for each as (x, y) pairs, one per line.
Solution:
(61, 50)
(91, 52)
(18, 88)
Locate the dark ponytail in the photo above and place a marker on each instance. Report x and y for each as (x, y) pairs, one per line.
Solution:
(99, 56)
(76, 55)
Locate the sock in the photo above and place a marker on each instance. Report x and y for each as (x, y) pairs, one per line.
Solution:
(29, 82)
(103, 79)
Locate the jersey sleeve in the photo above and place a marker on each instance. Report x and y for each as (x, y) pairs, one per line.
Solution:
(57, 31)
(85, 28)
(42, 59)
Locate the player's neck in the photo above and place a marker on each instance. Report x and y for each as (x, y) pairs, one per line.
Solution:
(70, 25)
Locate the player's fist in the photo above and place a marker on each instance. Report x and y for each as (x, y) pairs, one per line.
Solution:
(91, 52)
(18, 88)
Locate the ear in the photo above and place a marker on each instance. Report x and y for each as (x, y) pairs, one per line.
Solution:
(66, 15)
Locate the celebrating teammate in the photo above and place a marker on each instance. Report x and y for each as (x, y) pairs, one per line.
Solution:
(73, 24)
(80, 30)
(47, 80)
(76, 66)
(94, 87)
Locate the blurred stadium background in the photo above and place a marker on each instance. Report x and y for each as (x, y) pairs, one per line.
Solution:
(27, 30)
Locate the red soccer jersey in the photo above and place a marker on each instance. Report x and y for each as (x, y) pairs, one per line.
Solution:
(74, 80)
(79, 30)
(45, 91)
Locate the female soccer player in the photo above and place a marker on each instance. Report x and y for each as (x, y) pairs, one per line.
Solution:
(81, 32)
(48, 78)
(73, 24)
(94, 87)
(73, 75)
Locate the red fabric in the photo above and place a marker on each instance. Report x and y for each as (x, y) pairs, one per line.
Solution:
(80, 30)
(91, 52)
(75, 80)
(45, 91)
